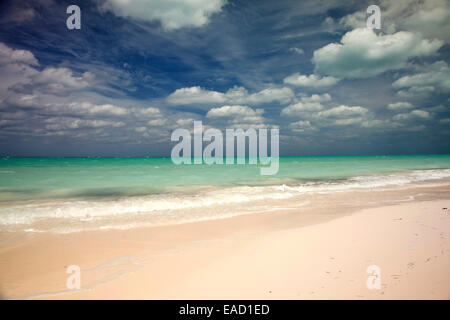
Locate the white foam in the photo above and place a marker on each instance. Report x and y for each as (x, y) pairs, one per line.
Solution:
(128, 212)
(368, 182)
(129, 206)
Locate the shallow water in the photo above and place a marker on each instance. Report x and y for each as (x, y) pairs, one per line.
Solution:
(73, 194)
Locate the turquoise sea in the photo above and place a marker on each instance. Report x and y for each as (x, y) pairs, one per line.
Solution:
(40, 193)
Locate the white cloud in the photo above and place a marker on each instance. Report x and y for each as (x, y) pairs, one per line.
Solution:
(400, 106)
(194, 95)
(316, 98)
(235, 95)
(238, 117)
(376, 123)
(173, 14)
(362, 53)
(435, 78)
(185, 122)
(19, 75)
(343, 111)
(315, 117)
(306, 105)
(40, 102)
(74, 123)
(348, 122)
(415, 114)
(301, 108)
(431, 18)
(297, 50)
(8, 55)
(147, 112)
(354, 20)
(71, 108)
(282, 95)
(84, 108)
(302, 126)
(57, 81)
(89, 108)
(234, 111)
(157, 122)
(439, 108)
(140, 129)
(414, 92)
(312, 80)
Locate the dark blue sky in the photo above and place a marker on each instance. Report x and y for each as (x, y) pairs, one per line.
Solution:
(134, 73)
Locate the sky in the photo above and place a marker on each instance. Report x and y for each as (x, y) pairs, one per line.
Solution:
(138, 70)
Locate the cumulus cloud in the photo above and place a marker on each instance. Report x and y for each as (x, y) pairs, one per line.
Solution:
(147, 112)
(238, 116)
(90, 108)
(194, 95)
(415, 114)
(297, 50)
(306, 105)
(157, 122)
(378, 123)
(316, 98)
(58, 124)
(173, 14)
(233, 111)
(300, 108)
(362, 53)
(341, 115)
(55, 81)
(343, 111)
(414, 92)
(81, 108)
(436, 78)
(301, 126)
(431, 18)
(282, 95)
(42, 102)
(9, 55)
(354, 20)
(439, 108)
(315, 117)
(348, 122)
(313, 81)
(185, 122)
(20, 75)
(400, 106)
(235, 95)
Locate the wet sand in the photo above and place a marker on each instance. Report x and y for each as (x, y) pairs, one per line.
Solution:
(258, 256)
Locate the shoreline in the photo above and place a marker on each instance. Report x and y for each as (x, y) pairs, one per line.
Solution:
(182, 261)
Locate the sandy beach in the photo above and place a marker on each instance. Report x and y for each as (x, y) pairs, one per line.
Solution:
(256, 256)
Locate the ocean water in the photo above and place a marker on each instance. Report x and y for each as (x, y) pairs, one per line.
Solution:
(73, 194)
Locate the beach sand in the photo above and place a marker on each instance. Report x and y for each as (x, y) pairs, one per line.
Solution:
(257, 256)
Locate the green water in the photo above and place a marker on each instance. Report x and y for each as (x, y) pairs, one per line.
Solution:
(38, 178)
